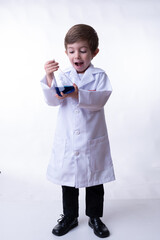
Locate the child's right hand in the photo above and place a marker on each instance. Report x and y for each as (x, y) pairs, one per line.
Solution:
(50, 67)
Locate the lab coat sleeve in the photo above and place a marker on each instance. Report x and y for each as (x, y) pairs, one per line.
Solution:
(95, 100)
(49, 93)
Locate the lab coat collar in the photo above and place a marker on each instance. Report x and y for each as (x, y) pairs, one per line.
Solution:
(87, 77)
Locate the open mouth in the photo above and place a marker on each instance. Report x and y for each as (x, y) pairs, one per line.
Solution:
(78, 64)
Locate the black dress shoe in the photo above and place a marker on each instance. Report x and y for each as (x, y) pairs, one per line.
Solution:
(99, 227)
(65, 224)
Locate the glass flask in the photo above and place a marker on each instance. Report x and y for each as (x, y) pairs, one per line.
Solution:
(63, 83)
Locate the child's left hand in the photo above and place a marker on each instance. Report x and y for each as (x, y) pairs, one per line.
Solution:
(73, 94)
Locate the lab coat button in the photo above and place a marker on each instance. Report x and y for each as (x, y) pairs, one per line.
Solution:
(76, 153)
(76, 111)
(77, 132)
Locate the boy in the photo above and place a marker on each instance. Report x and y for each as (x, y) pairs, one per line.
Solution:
(81, 152)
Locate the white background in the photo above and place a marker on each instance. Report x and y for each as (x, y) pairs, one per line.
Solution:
(32, 32)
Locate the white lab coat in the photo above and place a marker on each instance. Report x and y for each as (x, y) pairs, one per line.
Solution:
(81, 153)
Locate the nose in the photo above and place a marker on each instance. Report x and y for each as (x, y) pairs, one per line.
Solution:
(77, 54)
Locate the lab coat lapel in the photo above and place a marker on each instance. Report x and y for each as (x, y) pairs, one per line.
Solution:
(87, 77)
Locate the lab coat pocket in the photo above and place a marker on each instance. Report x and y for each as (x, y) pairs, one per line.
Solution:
(99, 153)
(58, 152)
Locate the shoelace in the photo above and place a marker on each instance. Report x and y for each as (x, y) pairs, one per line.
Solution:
(98, 221)
(63, 220)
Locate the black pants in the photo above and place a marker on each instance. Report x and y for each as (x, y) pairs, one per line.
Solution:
(94, 201)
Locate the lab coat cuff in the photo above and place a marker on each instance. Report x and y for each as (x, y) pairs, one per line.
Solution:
(45, 84)
(49, 93)
(93, 100)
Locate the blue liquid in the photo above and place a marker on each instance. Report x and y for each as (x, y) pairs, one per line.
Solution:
(65, 90)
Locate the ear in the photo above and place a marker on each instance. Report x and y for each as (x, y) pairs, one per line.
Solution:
(96, 52)
(66, 52)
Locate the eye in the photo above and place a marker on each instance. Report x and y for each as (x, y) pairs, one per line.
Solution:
(71, 52)
(83, 51)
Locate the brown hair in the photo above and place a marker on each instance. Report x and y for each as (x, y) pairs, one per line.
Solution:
(82, 32)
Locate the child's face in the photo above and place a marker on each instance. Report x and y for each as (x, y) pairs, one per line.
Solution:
(79, 55)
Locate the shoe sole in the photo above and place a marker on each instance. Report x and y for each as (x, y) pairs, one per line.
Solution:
(71, 227)
(96, 233)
